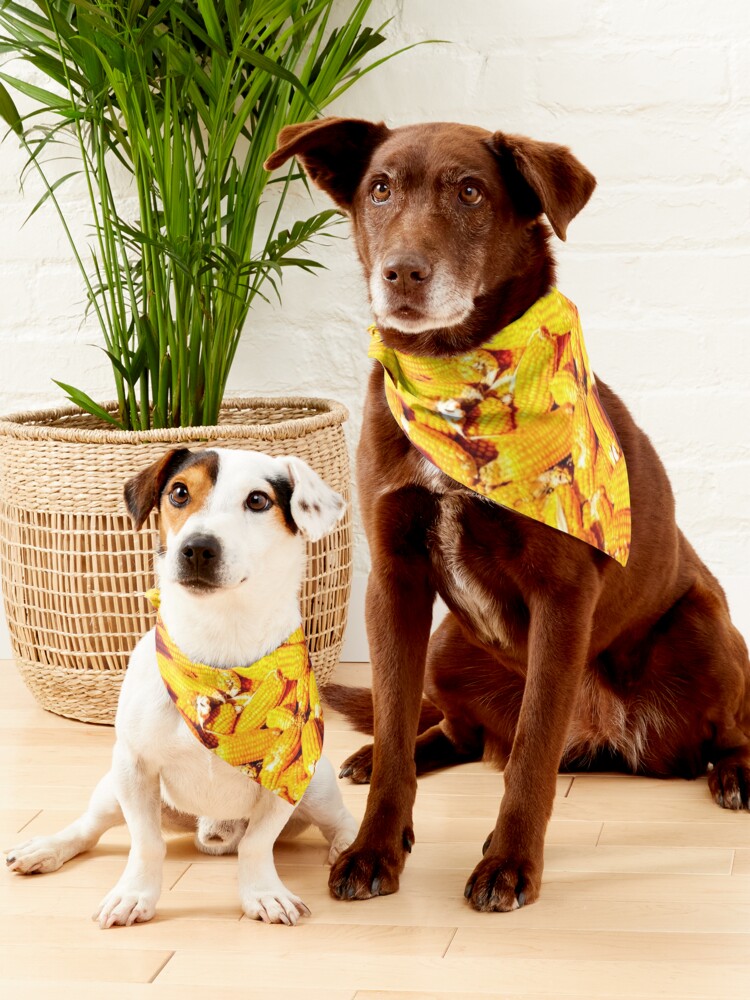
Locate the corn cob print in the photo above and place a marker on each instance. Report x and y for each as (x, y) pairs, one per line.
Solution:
(265, 719)
(519, 421)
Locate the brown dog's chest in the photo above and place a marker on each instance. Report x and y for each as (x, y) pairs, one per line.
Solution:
(466, 547)
(475, 548)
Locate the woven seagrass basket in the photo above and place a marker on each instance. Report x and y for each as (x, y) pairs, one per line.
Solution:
(73, 569)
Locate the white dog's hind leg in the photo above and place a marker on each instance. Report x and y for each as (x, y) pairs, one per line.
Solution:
(262, 893)
(214, 836)
(138, 789)
(323, 806)
(48, 853)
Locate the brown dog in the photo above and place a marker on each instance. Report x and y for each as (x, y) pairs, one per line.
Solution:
(552, 652)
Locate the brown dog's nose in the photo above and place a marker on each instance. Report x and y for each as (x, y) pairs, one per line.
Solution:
(409, 269)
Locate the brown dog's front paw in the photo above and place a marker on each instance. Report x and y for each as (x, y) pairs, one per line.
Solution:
(501, 884)
(729, 782)
(358, 767)
(361, 873)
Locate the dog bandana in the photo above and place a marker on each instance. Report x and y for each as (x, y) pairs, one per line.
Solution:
(519, 421)
(265, 718)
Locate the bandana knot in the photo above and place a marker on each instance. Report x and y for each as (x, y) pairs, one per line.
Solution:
(519, 420)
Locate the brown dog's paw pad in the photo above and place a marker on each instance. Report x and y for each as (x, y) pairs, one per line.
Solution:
(729, 782)
(362, 874)
(500, 885)
(358, 767)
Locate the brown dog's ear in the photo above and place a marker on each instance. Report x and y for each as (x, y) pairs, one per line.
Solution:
(142, 492)
(333, 151)
(543, 177)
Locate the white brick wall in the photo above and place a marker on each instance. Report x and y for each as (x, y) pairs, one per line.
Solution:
(653, 96)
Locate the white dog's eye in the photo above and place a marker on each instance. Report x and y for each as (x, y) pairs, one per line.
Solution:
(257, 500)
(179, 495)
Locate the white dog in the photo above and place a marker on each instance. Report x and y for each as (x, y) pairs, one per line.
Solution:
(229, 567)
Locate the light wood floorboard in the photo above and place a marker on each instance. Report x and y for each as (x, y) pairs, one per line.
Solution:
(646, 894)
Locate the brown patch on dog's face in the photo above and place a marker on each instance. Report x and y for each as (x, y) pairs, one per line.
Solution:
(186, 491)
(142, 492)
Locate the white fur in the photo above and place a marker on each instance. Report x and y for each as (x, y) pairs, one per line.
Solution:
(432, 477)
(157, 762)
(315, 507)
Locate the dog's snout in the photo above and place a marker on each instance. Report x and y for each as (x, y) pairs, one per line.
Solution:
(200, 551)
(407, 269)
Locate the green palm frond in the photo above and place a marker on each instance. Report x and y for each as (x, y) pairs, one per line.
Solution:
(188, 96)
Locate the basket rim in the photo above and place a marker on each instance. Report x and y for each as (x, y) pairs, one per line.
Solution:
(30, 424)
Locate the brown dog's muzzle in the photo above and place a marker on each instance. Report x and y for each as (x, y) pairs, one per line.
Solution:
(406, 276)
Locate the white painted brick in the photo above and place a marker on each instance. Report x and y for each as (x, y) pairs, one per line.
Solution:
(16, 303)
(42, 238)
(35, 363)
(672, 145)
(13, 159)
(505, 86)
(475, 22)
(634, 79)
(675, 19)
(741, 67)
(430, 81)
(62, 290)
(710, 283)
(656, 216)
(706, 426)
(723, 552)
(633, 356)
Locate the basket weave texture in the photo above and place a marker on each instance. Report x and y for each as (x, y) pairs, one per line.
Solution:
(74, 571)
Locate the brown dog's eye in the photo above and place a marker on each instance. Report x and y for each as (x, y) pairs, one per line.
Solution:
(258, 501)
(179, 495)
(470, 195)
(380, 192)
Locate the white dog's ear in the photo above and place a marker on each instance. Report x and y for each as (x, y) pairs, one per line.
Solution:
(314, 506)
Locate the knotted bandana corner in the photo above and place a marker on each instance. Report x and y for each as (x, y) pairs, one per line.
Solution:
(265, 719)
(519, 421)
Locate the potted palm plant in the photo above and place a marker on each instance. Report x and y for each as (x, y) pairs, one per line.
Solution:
(185, 98)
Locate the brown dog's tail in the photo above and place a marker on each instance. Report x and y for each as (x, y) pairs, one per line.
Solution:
(355, 704)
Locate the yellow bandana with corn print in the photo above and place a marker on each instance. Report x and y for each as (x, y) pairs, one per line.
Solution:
(265, 718)
(519, 421)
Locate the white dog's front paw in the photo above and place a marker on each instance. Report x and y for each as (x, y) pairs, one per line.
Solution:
(126, 905)
(39, 855)
(273, 906)
(344, 838)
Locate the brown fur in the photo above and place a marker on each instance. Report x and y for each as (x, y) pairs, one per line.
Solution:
(151, 488)
(552, 654)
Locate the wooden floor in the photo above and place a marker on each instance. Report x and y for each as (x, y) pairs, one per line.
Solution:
(646, 894)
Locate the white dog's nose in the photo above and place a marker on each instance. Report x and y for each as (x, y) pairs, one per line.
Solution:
(199, 551)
